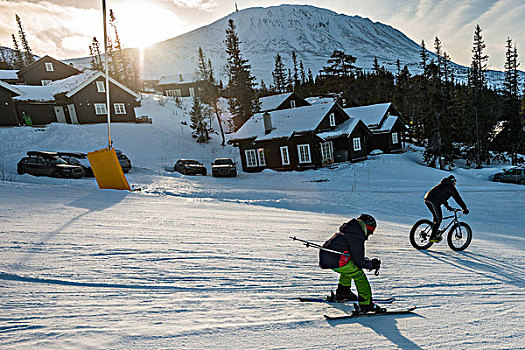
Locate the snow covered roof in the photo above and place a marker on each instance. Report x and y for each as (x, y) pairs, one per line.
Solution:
(285, 122)
(180, 78)
(68, 86)
(270, 103)
(370, 115)
(8, 74)
(11, 88)
(346, 128)
(316, 100)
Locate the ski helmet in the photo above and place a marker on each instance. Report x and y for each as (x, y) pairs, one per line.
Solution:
(370, 223)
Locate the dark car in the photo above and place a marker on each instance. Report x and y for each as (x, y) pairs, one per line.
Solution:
(77, 158)
(41, 163)
(189, 167)
(223, 167)
(514, 175)
(124, 161)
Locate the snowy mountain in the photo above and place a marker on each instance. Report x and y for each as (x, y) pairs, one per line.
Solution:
(313, 33)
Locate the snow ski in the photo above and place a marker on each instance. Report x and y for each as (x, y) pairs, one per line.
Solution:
(387, 312)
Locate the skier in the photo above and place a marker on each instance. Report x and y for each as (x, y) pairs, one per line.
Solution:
(439, 195)
(351, 240)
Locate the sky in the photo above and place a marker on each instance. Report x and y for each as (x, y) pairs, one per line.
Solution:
(65, 28)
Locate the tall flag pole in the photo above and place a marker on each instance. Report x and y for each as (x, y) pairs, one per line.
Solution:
(106, 56)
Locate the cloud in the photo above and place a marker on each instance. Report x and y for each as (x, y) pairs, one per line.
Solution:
(198, 4)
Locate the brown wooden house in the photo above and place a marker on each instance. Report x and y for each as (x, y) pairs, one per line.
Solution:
(300, 138)
(385, 123)
(79, 99)
(44, 71)
(178, 85)
(281, 101)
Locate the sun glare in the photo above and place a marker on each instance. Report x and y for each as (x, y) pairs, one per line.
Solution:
(139, 24)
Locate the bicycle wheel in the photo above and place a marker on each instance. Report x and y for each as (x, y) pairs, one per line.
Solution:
(459, 236)
(420, 234)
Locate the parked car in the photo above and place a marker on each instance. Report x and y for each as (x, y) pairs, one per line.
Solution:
(189, 167)
(124, 161)
(513, 175)
(223, 167)
(41, 163)
(77, 158)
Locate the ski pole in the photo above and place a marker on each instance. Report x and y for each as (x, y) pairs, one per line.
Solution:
(311, 244)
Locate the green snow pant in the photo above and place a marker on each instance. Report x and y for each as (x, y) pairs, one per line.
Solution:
(351, 272)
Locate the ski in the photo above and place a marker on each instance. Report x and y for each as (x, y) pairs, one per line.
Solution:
(387, 312)
(333, 300)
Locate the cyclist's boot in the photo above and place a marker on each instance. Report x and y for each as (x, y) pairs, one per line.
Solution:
(436, 237)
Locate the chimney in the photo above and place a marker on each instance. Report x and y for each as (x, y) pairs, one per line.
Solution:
(180, 77)
(267, 118)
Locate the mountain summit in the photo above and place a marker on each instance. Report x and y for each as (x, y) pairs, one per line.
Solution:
(313, 33)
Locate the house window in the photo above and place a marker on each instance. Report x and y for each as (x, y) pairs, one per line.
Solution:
(304, 153)
(101, 87)
(332, 119)
(357, 144)
(100, 108)
(49, 67)
(327, 152)
(120, 108)
(292, 103)
(45, 82)
(285, 159)
(192, 92)
(173, 93)
(251, 157)
(394, 138)
(262, 160)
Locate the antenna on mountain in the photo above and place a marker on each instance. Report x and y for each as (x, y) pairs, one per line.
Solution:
(236, 9)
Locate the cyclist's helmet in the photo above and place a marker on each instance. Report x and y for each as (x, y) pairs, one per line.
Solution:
(370, 223)
(452, 179)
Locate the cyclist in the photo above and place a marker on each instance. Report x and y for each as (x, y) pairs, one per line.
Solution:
(351, 239)
(439, 195)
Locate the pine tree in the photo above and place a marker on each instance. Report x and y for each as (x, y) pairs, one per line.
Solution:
(439, 53)
(198, 122)
(423, 53)
(19, 57)
(208, 92)
(28, 53)
(295, 70)
(96, 57)
(241, 87)
(340, 65)
(303, 74)
(278, 74)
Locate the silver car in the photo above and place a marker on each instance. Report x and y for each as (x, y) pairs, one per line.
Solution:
(513, 175)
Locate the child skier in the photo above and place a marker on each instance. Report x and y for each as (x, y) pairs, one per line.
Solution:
(351, 240)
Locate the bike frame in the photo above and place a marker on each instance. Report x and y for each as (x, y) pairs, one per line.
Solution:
(453, 221)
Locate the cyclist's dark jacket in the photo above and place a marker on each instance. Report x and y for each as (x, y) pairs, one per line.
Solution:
(350, 238)
(442, 192)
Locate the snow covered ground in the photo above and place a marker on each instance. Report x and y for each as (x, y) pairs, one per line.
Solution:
(202, 262)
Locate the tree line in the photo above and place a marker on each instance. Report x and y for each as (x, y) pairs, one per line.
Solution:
(23, 54)
(450, 117)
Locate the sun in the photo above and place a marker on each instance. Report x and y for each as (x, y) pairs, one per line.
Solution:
(141, 23)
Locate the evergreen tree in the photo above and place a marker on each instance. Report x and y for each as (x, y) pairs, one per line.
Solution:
(340, 65)
(208, 91)
(423, 54)
(279, 75)
(303, 74)
(439, 53)
(28, 53)
(295, 70)
(96, 57)
(241, 87)
(198, 122)
(19, 57)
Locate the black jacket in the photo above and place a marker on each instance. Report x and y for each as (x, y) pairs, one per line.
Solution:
(350, 238)
(442, 192)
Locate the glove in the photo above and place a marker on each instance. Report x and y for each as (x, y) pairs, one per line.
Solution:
(376, 264)
(466, 211)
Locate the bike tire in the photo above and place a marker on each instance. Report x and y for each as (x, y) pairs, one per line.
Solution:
(420, 234)
(463, 236)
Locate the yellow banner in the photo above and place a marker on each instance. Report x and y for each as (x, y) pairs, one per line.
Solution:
(107, 169)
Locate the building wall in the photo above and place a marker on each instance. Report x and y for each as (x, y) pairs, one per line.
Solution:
(40, 114)
(7, 109)
(36, 74)
(183, 87)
